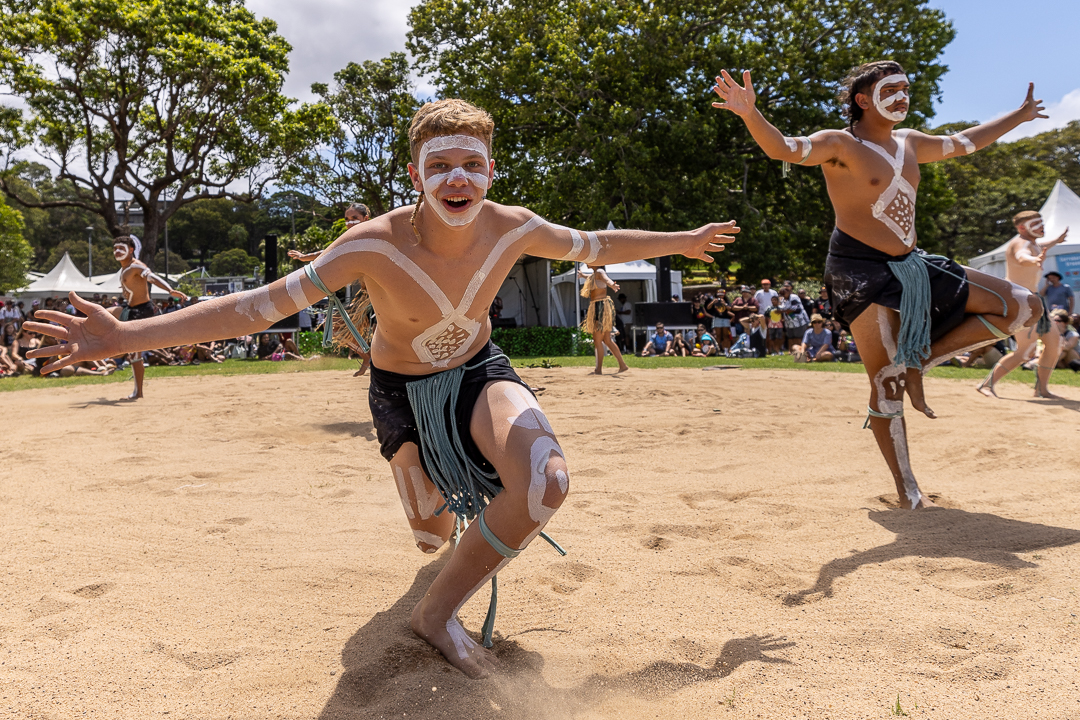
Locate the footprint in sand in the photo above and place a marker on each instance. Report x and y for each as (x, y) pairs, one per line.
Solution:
(570, 576)
(93, 591)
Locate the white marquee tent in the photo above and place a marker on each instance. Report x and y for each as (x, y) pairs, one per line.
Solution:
(636, 278)
(1060, 211)
(62, 279)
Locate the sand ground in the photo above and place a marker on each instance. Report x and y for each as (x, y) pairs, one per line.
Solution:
(233, 547)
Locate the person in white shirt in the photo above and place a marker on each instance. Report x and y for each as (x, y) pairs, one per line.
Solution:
(764, 296)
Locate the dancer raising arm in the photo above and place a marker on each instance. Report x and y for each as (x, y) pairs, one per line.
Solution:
(908, 311)
(451, 416)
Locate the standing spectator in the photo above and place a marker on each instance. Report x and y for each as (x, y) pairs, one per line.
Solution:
(796, 321)
(1058, 295)
(624, 319)
(698, 308)
(743, 307)
(661, 343)
(774, 323)
(719, 310)
(763, 297)
(807, 303)
(10, 313)
(822, 306)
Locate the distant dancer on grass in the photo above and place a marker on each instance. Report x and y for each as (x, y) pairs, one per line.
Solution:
(907, 310)
(600, 317)
(135, 281)
(1024, 256)
(463, 435)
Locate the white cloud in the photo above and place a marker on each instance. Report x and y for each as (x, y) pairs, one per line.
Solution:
(326, 35)
(1059, 115)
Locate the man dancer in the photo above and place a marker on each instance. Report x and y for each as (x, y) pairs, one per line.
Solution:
(135, 281)
(1024, 256)
(874, 269)
(452, 417)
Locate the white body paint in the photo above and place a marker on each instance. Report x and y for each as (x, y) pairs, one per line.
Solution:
(529, 415)
(895, 207)
(430, 539)
(399, 477)
(895, 373)
(426, 503)
(455, 332)
(882, 103)
(1020, 295)
(539, 457)
(257, 302)
(969, 147)
(432, 183)
(794, 144)
(947, 146)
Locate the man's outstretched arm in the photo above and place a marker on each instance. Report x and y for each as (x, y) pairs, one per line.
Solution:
(100, 335)
(604, 247)
(930, 148)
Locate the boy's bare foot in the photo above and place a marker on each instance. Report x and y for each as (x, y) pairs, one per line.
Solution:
(1046, 395)
(135, 395)
(924, 502)
(986, 389)
(623, 369)
(597, 372)
(450, 639)
(914, 387)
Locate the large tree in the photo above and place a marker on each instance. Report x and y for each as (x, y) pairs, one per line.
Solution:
(365, 158)
(603, 109)
(15, 252)
(162, 103)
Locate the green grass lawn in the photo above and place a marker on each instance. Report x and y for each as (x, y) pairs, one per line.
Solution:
(263, 367)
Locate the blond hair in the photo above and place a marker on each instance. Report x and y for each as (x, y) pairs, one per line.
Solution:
(1024, 215)
(445, 117)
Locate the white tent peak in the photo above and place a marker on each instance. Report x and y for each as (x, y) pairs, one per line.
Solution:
(62, 279)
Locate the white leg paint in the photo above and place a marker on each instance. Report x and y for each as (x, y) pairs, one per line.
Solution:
(399, 476)
(427, 538)
(426, 503)
(891, 380)
(539, 457)
(1020, 295)
(529, 415)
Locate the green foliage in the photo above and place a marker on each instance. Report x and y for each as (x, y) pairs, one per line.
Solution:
(177, 264)
(542, 341)
(233, 262)
(175, 101)
(366, 157)
(310, 343)
(603, 113)
(15, 252)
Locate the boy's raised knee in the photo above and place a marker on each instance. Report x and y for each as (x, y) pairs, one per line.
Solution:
(428, 542)
(549, 482)
(1035, 307)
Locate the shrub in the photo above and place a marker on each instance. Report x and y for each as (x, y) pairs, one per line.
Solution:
(542, 341)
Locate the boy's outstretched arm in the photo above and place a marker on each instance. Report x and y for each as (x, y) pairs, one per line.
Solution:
(742, 100)
(100, 335)
(614, 246)
(930, 148)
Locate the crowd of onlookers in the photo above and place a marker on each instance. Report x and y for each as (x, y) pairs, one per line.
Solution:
(765, 322)
(16, 341)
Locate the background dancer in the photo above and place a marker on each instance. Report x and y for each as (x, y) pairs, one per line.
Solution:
(600, 317)
(1024, 256)
(908, 311)
(135, 281)
(446, 405)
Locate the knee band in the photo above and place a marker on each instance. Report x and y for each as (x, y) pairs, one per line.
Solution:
(500, 547)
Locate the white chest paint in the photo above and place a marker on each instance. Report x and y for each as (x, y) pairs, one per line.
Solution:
(895, 207)
(455, 332)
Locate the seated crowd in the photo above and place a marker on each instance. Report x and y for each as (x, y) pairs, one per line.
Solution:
(16, 341)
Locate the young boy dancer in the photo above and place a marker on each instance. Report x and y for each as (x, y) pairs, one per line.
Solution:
(1024, 257)
(135, 281)
(907, 310)
(452, 417)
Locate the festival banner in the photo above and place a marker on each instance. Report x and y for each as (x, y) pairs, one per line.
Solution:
(1069, 267)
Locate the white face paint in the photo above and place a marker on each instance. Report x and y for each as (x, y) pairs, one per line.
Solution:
(539, 456)
(1034, 226)
(883, 103)
(121, 251)
(433, 182)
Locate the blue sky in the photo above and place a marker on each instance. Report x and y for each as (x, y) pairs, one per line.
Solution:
(1001, 46)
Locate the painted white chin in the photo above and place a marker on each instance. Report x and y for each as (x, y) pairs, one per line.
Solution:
(121, 255)
(450, 217)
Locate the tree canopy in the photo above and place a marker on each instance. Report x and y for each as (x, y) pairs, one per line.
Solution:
(603, 112)
(160, 102)
(15, 252)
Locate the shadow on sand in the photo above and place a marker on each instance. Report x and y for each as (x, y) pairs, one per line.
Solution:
(939, 533)
(390, 672)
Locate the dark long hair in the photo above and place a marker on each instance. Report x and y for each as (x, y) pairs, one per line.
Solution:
(859, 80)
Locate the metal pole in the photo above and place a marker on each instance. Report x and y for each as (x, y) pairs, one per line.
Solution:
(90, 252)
(167, 246)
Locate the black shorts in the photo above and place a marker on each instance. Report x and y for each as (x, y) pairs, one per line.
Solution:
(858, 276)
(392, 415)
(138, 312)
(796, 333)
